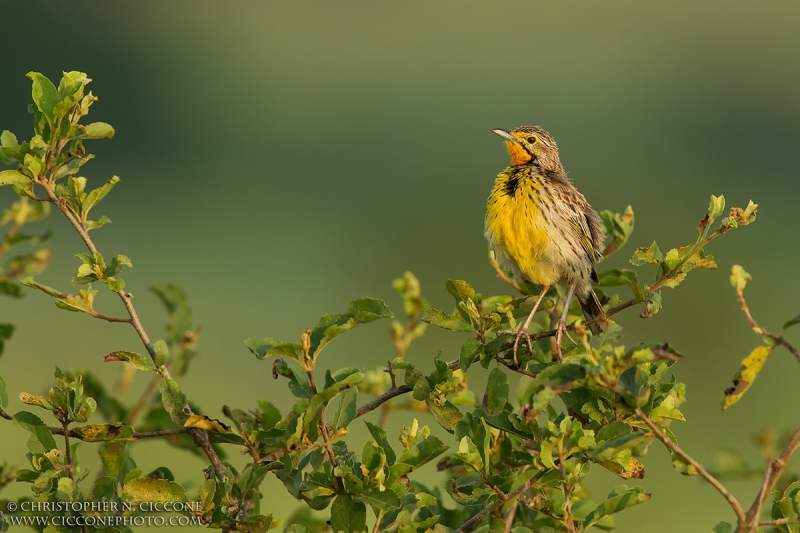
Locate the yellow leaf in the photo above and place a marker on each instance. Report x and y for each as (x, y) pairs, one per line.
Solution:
(208, 424)
(635, 469)
(751, 366)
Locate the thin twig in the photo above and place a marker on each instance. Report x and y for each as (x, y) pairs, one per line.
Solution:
(390, 370)
(500, 501)
(780, 522)
(778, 339)
(567, 490)
(516, 368)
(67, 451)
(110, 318)
(731, 499)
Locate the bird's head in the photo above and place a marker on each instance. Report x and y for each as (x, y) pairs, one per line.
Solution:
(531, 144)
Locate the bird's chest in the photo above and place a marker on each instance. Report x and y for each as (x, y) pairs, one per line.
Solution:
(517, 224)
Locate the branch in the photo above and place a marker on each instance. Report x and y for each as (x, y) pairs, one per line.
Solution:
(110, 318)
(136, 434)
(199, 436)
(734, 503)
(774, 472)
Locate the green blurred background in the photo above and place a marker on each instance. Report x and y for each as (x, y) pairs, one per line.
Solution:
(280, 159)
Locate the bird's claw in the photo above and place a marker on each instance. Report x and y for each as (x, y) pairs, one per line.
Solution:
(518, 334)
(560, 331)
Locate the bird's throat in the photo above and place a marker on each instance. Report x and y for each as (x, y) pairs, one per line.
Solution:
(519, 156)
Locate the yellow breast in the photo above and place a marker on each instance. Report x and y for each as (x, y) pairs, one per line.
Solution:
(517, 229)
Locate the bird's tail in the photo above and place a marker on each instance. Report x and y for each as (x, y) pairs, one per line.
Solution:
(593, 309)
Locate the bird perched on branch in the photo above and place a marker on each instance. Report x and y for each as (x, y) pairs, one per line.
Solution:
(542, 229)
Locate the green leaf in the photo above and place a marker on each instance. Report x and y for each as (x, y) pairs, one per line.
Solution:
(268, 347)
(103, 432)
(440, 319)
(619, 227)
(469, 454)
(647, 256)
(633, 386)
(749, 215)
(620, 498)
(40, 440)
(792, 322)
(610, 448)
(37, 401)
(331, 326)
(44, 94)
(739, 278)
(256, 523)
(383, 500)
(82, 301)
(94, 197)
(11, 289)
(461, 290)
(15, 178)
(9, 140)
(174, 401)
(613, 430)
(3, 394)
(114, 457)
(115, 267)
(162, 352)
(95, 224)
(422, 452)
(612, 278)
(383, 441)
(496, 391)
(787, 506)
(716, 206)
(153, 490)
(666, 411)
(97, 130)
(68, 491)
(546, 454)
(299, 383)
(348, 515)
(557, 376)
(348, 409)
(321, 399)
(251, 478)
(446, 414)
(136, 360)
(652, 305)
(471, 349)
(751, 366)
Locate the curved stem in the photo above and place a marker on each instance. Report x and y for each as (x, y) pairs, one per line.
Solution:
(731, 499)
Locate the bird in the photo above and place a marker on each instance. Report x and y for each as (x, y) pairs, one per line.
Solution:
(542, 229)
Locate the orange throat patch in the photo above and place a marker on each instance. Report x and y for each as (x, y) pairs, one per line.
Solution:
(519, 156)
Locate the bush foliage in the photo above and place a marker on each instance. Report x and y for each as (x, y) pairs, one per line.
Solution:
(515, 458)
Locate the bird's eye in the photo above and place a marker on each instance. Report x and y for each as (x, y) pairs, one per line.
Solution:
(531, 140)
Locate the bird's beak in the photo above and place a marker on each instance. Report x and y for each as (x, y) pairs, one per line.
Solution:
(505, 135)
